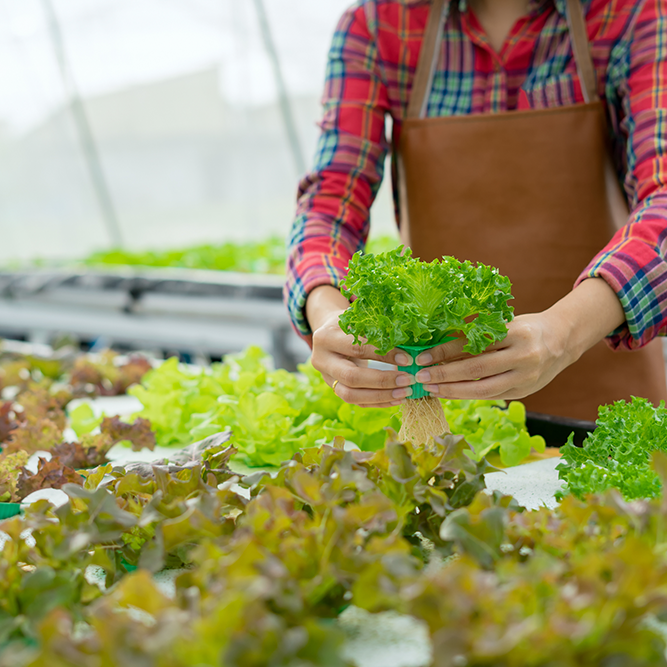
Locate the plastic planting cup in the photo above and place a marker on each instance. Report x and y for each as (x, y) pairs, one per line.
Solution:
(127, 566)
(414, 351)
(8, 510)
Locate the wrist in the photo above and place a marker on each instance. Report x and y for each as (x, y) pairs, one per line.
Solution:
(584, 317)
(322, 303)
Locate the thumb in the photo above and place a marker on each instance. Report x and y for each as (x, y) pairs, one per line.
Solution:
(446, 352)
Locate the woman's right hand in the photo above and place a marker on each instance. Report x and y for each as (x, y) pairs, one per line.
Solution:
(346, 365)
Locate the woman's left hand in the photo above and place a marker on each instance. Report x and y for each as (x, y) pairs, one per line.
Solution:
(537, 348)
(528, 359)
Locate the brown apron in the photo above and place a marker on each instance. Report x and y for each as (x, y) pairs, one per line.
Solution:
(533, 193)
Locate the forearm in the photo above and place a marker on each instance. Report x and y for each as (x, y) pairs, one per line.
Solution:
(634, 264)
(334, 200)
(584, 317)
(331, 225)
(322, 303)
(537, 348)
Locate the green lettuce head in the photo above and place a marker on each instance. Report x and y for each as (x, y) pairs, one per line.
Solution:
(402, 301)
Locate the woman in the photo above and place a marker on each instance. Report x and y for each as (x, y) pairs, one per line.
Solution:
(502, 113)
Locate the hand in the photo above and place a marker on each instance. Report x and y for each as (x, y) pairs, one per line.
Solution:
(338, 359)
(537, 348)
(527, 360)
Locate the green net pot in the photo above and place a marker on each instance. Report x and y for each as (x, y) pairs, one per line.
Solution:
(9, 510)
(129, 568)
(414, 351)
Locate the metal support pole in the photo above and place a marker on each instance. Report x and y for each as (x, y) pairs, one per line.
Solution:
(285, 107)
(88, 145)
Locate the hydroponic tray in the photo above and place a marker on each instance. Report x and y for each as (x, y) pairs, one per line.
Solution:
(556, 430)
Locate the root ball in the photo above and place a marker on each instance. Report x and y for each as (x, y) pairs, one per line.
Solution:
(423, 419)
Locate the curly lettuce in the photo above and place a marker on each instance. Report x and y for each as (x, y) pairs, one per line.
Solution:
(617, 455)
(11, 466)
(401, 300)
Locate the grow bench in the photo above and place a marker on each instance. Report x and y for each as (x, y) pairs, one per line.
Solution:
(556, 430)
(199, 313)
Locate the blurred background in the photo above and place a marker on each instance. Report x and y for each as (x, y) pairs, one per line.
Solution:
(157, 124)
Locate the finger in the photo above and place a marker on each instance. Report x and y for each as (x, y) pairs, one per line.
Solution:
(372, 397)
(356, 375)
(453, 351)
(498, 387)
(395, 357)
(336, 340)
(328, 379)
(466, 370)
(395, 404)
(360, 377)
(441, 353)
(361, 395)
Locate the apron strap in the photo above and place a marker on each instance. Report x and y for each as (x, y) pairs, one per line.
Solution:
(576, 21)
(428, 59)
(433, 36)
(618, 204)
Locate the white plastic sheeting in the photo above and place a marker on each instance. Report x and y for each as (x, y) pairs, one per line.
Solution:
(183, 107)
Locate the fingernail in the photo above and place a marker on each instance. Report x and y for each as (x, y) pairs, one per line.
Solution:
(405, 380)
(402, 393)
(424, 359)
(431, 388)
(402, 359)
(423, 376)
(396, 403)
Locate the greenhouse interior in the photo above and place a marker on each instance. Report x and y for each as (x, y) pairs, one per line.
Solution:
(270, 396)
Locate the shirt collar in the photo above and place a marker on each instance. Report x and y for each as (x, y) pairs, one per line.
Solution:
(534, 6)
(561, 6)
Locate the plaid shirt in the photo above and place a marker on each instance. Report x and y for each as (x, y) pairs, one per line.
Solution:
(370, 71)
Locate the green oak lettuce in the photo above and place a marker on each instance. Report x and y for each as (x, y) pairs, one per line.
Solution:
(11, 466)
(403, 301)
(618, 453)
(273, 414)
(267, 256)
(488, 427)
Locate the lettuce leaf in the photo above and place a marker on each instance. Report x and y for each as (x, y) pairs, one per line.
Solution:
(403, 301)
(486, 427)
(274, 414)
(11, 466)
(618, 453)
(266, 256)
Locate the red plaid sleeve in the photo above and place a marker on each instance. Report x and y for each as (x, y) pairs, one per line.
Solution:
(634, 263)
(335, 198)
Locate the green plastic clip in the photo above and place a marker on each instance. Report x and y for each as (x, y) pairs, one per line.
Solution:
(414, 351)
